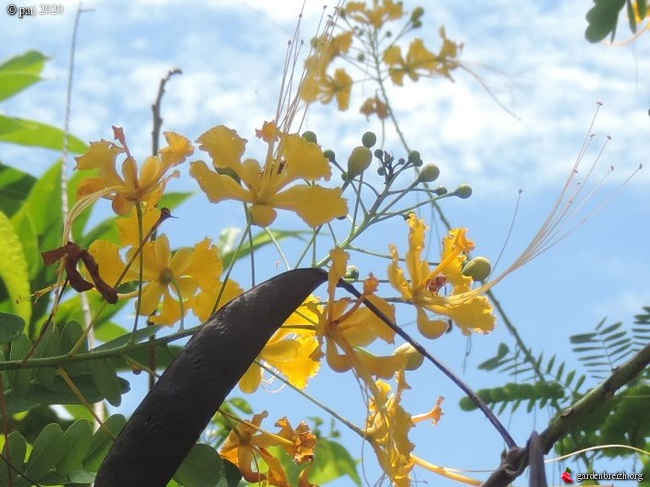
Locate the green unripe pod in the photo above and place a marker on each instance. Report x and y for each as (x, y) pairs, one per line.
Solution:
(479, 268)
(463, 191)
(369, 139)
(310, 137)
(359, 161)
(413, 358)
(429, 173)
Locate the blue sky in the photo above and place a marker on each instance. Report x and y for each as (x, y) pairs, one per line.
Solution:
(533, 57)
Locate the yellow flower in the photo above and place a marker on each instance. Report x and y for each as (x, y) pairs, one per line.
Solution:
(243, 447)
(418, 58)
(387, 429)
(269, 186)
(145, 185)
(345, 327)
(377, 16)
(470, 311)
(170, 278)
(324, 88)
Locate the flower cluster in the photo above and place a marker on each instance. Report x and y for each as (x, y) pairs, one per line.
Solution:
(368, 43)
(270, 185)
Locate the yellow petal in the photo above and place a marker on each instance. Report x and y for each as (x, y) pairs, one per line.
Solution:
(151, 295)
(107, 257)
(251, 379)
(178, 149)
(218, 187)
(101, 155)
(128, 227)
(224, 146)
(297, 362)
(314, 204)
(430, 328)
(262, 215)
(304, 159)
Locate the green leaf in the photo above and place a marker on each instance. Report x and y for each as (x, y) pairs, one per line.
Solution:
(630, 15)
(582, 338)
(46, 453)
(59, 393)
(231, 475)
(20, 72)
(602, 19)
(497, 360)
(15, 186)
(13, 270)
(202, 467)
(137, 337)
(331, 462)
(173, 199)
(11, 327)
(14, 450)
(76, 442)
(101, 442)
(106, 380)
(20, 378)
(37, 134)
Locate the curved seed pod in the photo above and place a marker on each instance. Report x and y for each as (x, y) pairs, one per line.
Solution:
(170, 419)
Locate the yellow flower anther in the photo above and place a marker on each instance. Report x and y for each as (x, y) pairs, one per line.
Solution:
(479, 268)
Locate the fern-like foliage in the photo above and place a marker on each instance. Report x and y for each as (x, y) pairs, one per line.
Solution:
(539, 383)
(600, 351)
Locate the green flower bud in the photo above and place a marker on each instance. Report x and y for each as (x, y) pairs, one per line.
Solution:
(351, 273)
(369, 139)
(463, 191)
(429, 173)
(417, 13)
(330, 155)
(358, 161)
(310, 136)
(361, 57)
(414, 156)
(479, 268)
(440, 191)
(413, 358)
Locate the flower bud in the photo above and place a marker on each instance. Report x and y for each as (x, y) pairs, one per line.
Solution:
(369, 139)
(414, 157)
(478, 268)
(310, 137)
(413, 358)
(330, 155)
(429, 173)
(351, 273)
(359, 161)
(463, 191)
(417, 13)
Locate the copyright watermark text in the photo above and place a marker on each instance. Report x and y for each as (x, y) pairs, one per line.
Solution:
(35, 10)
